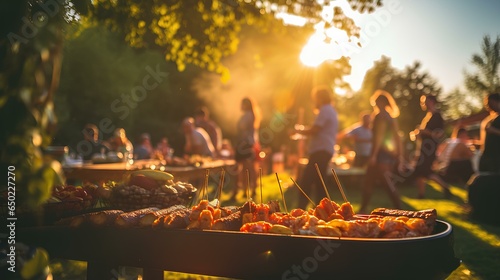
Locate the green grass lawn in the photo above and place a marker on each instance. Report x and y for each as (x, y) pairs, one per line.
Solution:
(476, 244)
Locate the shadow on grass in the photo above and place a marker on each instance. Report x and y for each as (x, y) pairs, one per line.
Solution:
(476, 244)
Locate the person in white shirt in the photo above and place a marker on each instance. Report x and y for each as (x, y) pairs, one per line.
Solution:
(322, 136)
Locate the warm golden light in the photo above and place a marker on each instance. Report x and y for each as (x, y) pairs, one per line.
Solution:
(321, 48)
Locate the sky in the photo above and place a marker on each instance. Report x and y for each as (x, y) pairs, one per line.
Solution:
(441, 34)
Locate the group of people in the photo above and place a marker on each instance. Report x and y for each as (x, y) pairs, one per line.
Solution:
(203, 137)
(379, 147)
(119, 145)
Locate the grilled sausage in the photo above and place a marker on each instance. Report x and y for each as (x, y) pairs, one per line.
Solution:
(149, 218)
(130, 219)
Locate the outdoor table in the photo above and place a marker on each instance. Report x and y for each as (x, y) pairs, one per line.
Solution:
(116, 171)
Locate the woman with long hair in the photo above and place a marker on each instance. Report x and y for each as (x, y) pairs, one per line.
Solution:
(386, 151)
(246, 145)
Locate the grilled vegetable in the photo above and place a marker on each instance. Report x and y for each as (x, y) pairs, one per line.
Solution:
(280, 229)
(154, 174)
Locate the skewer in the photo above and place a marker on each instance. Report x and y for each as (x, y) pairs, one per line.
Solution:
(339, 185)
(205, 185)
(281, 191)
(221, 184)
(248, 192)
(300, 189)
(322, 181)
(260, 178)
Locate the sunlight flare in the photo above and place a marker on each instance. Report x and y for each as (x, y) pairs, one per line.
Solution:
(324, 45)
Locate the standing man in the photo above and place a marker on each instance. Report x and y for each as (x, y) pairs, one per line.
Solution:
(429, 135)
(322, 135)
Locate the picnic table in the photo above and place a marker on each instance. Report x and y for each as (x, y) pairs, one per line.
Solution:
(116, 171)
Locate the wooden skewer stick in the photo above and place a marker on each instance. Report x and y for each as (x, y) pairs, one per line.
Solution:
(260, 179)
(300, 189)
(281, 191)
(202, 189)
(221, 184)
(339, 185)
(205, 185)
(248, 192)
(322, 181)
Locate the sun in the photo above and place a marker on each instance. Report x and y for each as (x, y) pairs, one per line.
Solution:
(329, 43)
(313, 53)
(324, 45)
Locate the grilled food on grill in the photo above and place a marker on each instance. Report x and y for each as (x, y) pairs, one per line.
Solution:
(130, 219)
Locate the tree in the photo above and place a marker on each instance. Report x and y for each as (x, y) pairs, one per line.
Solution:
(486, 79)
(458, 103)
(203, 32)
(110, 84)
(410, 84)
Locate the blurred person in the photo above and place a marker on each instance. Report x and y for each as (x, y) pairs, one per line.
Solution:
(386, 151)
(96, 147)
(197, 140)
(246, 145)
(428, 137)
(490, 128)
(322, 135)
(454, 158)
(144, 150)
(202, 119)
(163, 149)
(361, 134)
(121, 144)
(226, 151)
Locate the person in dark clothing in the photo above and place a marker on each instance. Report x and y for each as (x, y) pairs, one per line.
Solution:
(94, 145)
(490, 158)
(428, 135)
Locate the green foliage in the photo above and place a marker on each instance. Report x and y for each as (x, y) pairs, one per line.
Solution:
(105, 81)
(202, 33)
(30, 45)
(486, 79)
(458, 103)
